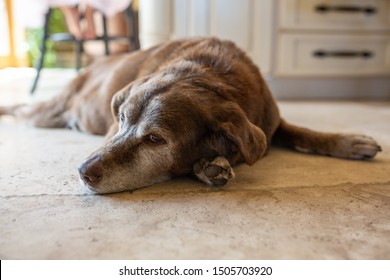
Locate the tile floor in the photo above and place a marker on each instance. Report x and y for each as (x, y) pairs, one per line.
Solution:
(286, 206)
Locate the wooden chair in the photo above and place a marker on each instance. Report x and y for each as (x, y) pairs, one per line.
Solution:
(132, 39)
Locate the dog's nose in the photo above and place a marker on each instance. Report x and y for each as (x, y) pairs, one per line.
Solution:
(91, 171)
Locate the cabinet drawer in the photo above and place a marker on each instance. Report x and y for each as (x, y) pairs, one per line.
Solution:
(335, 14)
(333, 55)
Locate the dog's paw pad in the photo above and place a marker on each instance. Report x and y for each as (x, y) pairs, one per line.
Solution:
(214, 173)
(357, 147)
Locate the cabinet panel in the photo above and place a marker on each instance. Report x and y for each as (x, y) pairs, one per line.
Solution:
(191, 18)
(248, 23)
(155, 20)
(199, 18)
(333, 55)
(335, 14)
(232, 19)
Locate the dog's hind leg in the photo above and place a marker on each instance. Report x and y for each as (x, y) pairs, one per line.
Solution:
(48, 114)
(51, 113)
(216, 172)
(349, 146)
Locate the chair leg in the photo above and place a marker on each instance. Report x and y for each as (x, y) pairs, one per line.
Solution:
(133, 39)
(79, 53)
(39, 63)
(105, 36)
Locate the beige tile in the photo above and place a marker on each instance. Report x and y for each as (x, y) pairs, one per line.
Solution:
(286, 206)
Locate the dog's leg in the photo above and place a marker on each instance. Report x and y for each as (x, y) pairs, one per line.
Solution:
(50, 113)
(42, 114)
(216, 172)
(349, 146)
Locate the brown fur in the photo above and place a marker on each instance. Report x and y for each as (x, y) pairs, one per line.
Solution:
(172, 109)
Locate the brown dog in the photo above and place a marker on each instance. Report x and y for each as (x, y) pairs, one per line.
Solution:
(192, 106)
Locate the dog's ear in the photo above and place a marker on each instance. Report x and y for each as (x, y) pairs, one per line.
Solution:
(118, 100)
(230, 121)
(121, 96)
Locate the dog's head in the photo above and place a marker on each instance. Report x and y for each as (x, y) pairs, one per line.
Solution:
(163, 127)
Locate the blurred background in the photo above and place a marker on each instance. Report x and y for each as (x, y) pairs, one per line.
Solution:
(306, 49)
(22, 27)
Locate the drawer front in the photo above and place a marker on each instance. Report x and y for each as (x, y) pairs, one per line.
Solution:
(333, 55)
(335, 14)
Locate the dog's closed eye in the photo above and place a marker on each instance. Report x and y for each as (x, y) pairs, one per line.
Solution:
(155, 139)
(121, 117)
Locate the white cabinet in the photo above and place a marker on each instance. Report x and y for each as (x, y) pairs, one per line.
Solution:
(330, 55)
(155, 22)
(318, 38)
(335, 14)
(246, 22)
(299, 45)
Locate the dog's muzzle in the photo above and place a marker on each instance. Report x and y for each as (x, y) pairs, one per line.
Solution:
(91, 171)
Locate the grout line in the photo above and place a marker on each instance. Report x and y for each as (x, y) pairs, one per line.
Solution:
(200, 191)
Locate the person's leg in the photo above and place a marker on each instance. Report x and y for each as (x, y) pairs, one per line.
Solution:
(117, 26)
(89, 30)
(72, 15)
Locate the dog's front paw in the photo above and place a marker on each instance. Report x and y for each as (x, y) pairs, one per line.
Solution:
(216, 172)
(354, 146)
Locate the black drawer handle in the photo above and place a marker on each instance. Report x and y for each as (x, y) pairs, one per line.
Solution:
(323, 8)
(343, 54)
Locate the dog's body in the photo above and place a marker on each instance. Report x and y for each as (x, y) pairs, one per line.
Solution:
(197, 105)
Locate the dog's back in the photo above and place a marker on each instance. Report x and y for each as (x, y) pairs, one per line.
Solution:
(222, 68)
